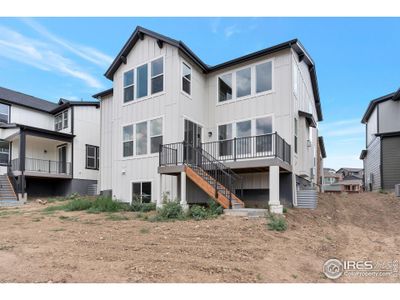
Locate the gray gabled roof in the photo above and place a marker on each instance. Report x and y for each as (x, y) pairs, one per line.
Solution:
(392, 96)
(294, 44)
(14, 97)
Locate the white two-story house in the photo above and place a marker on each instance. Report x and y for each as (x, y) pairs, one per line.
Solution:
(243, 132)
(47, 148)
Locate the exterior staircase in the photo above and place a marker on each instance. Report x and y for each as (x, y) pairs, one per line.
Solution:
(213, 177)
(7, 193)
(217, 191)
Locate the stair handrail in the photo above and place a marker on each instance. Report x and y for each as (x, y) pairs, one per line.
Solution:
(12, 179)
(218, 172)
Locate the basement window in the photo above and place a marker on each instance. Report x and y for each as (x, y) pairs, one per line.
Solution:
(141, 192)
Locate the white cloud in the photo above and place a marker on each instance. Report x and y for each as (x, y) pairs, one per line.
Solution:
(342, 128)
(40, 55)
(231, 30)
(88, 53)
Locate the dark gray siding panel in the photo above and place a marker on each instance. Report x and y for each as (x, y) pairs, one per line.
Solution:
(390, 161)
(372, 165)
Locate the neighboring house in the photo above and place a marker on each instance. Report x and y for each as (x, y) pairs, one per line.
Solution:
(382, 154)
(48, 148)
(242, 132)
(348, 180)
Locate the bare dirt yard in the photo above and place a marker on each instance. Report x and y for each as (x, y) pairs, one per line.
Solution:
(38, 246)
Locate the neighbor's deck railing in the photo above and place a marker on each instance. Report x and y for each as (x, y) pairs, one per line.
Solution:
(43, 166)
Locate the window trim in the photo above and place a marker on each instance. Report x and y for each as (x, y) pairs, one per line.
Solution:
(95, 157)
(9, 112)
(253, 93)
(155, 136)
(149, 94)
(253, 124)
(65, 112)
(183, 62)
(128, 141)
(161, 74)
(148, 154)
(61, 116)
(127, 86)
(9, 154)
(141, 181)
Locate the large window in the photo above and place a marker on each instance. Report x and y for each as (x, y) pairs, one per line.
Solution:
(225, 87)
(157, 75)
(264, 77)
(141, 192)
(92, 157)
(129, 86)
(127, 140)
(145, 80)
(4, 113)
(252, 80)
(186, 78)
(225, 138)
(243, 83)
(156, 137)
(4, 153)
(65, 119)
(142, 82)
(141, 138)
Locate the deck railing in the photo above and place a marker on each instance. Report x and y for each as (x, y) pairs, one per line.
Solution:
(266, 145)
(43, 166)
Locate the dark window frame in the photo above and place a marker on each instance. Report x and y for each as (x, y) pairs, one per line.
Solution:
(9, 154)
(140, 196)
(185, 78)
(8, 113)
(95, 157)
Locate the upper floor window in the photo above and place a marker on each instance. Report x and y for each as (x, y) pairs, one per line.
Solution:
(61, 120)
(127, 140)
(129, 86)
(4, 153)
(141, 81)
(241, 83)
(92, 157)
(4, 113)
(156, 137)
(145, 80)
(296, 129)
(157, 76)
(225, 87)
(148, 138)
(186, 78)
(264, 77)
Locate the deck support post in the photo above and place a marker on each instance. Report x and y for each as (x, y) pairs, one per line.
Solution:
(183, 191)
(274, 200)
(160, 193)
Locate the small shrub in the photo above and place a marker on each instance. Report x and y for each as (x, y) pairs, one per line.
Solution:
(382, 191)
(78, 204)
(53, 208)
(106, 204)
(144, 230)
(284, 210)
(277, 223)
(142, 207)
(198, 212)
(171, 210)
(73, 196)
(214, 209)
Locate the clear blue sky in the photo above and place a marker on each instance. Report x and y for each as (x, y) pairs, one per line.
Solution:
(357, 59)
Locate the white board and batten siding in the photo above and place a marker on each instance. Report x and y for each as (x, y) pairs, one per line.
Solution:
(173, 105)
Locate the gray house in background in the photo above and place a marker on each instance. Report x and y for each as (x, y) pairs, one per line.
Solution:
(382, 154)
